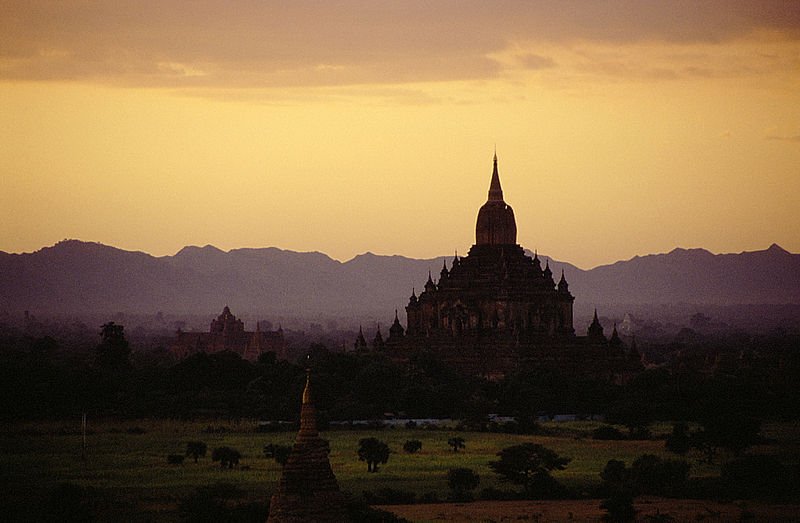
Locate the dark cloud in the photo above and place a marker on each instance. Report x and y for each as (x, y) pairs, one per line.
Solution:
(260, 43)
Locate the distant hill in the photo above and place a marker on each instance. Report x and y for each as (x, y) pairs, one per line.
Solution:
(81, 277)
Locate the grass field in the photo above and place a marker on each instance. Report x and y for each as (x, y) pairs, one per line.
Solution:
(132, 469)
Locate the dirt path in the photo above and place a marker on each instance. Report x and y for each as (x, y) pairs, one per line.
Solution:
(589, 510)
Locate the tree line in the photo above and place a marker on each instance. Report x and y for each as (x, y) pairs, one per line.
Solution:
(37, 381)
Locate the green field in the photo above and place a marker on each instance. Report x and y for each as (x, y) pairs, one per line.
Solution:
(132, 470)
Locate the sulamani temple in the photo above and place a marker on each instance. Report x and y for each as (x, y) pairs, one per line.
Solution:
(497, 308)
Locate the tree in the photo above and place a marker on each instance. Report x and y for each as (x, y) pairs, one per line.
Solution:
(280, 453)
(649, 474)
(195, 449)
(456, 443)
(374, 452)
(226, 456)
(411, 446)
(652, 475)
(635, 414)
(113, 352)
(529, 465)
(615, 476)
(727, 430)
(461, 481)
(679, 441)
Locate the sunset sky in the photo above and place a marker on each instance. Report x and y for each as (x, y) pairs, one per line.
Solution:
(621, 128)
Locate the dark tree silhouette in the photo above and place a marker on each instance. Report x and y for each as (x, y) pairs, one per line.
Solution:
(462, 481)
(529, 465)
(226, 456)
(113, 352)
(615, 475)
(374, 452)
(280, 453)
(635, 414)
(195, 449)
(679, 441)
(725, 429)
(456, 443)
(413, 445)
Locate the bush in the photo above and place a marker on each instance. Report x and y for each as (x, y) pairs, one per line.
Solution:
(652, 475)
(226, 456)
(679, 441)
(411, 446)
(649, 474)
(280, 453)
(462, 481)
(195, 449)
(175, 459)
(607, 432)
(456, 443)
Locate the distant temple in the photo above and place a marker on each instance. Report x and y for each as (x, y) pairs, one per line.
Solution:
(308, 491)
(227, 333)
(497, 308)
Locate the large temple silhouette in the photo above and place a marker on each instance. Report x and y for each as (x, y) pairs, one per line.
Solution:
(227, 334)
(497, 308)
(496, 289)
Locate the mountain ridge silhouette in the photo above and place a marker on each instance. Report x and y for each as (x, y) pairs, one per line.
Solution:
(77, 276)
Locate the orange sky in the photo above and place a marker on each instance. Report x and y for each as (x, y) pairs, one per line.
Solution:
(622, 128)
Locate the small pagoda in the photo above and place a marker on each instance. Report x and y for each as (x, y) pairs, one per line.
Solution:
(308, 490)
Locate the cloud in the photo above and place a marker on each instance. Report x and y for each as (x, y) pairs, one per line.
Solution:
(784, 138)
(534, 61)
(208, 44)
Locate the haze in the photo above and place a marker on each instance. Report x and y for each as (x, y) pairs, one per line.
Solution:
(621, 128)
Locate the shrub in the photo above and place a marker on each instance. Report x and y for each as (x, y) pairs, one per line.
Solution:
(226, 456)
(195, 449)
(652, 475)
(679, 441)
(456, 443)
(413, 445)
(280, 453)
(462, 481)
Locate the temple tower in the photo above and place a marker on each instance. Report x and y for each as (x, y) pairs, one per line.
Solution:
(308, 491)
(496, 224)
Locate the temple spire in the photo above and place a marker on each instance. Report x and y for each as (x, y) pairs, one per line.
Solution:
(495, 191)
(307, 489)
